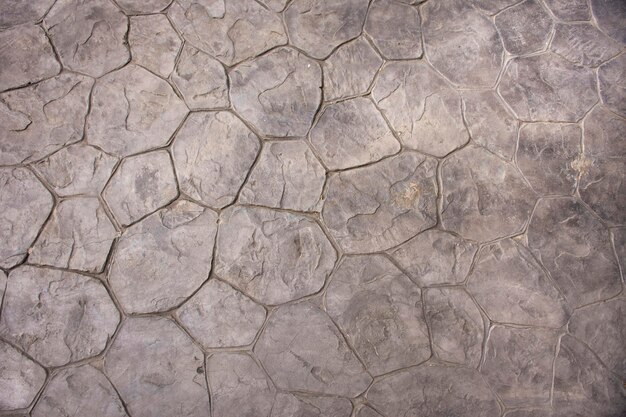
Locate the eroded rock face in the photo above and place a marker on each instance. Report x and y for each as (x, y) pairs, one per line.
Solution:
(57, 317)
(229, 30)
(302, 350)
(318, 27)
(89, 35)
(16, 12)
(513, 24)
(492, 7)
(610, 17)
(278, 93)
(612, 77)
(154, 43)
(379, 310)
(395, 29)
(24, 207)
(569, 10)
(20, 378)
(157, 369)
(153, 255)
(288, 405)
(583, 44)
(143, 6)
(380, 206)
(272, 256)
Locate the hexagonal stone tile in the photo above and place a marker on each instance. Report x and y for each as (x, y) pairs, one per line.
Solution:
(395, 29)
(318, 27)
(89, 35)
(513, 25)
(612, 78)
(434, 390)
(157, 369)
(154, 44)
(279, 93)
(352, 133)
(350, 70)
(547, 88)
(16, 12)
(213, 153)
(456, 325)
(74, 317)
(609, 16)
(511, 287)
(287, 175)
(492, 7)
(220, 316)
(143, 6)
(288, 405)
(132, 111)
(77, 169)
(141, 185)
(574, 247)
(81, 391)
(41, 119)
(78, 235)
(420, 106)
(518, 364)
(379, 310)
(239, 387)
(229, 30)
(489, 123)
(151, 255)
(26, 56)
(547, 154)
(302, 350)
(583, 44)
(461, 43)
(435, 257)
(20, 378)
(201, 79)
(569, 10)
(377, 207)
(24, 207)
(484, 198)
(272, 256)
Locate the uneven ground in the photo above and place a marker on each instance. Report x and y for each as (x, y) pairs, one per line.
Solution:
(343, 208)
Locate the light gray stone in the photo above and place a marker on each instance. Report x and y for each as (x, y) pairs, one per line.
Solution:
(279, 93)
(420, 106)
(515, 23)
(287, 175)
(89, 35)
(492, 7)
(461, 43)
(434, 390)
(548, 88)
(456, 325)
(350, 70)
(26, 56)
(16, 12)
(379, 310)
(302, 350)
(201, 79)
(484, 198)
(612, 80)
(574, 247)
(512, 288)
(3, 286)
(77, 169)
(133, 111)
(81, 391)
(394, 28)
(78, 235)
(619, 242)
(220, 316)
(366, 411)
(547, 154)
(229, 30)
(157, 369)
(272, 256)
(352, 133)
(55, 316)
(436, 257)
(154, 44)
(24, 207)
(318, 27)
(610, 15)
(163, 259)
(583, 44)
(275, 5)
(288, 405)
(213, 153)
(569, 10)
(141, 185)
(38, 120)
(380, 206)
(143, 6)
(20, 378)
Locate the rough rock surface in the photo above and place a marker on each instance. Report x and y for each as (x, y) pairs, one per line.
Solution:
(16, 12)
(143, 6)
(20, 378)
(287, 405)
(154, 43)
(492, 7)
(610, 17)
(569, 10)
(394, 28)
(583, 44)
(513, 25)
(612, 77)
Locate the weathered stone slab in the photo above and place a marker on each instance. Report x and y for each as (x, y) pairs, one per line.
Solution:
(213, 153)
(583, 44)
(492, 7)
(157, 369)
(619, 242)
(612, 80)
(514, 26)
(377, 207)
(394, 28)
(366, 411)
(275, 5)
(143, 6)
(610, 16)
(288, 405)
(272, 256)
(302, 350)
(20, 378)
(152, 257)
(57, 317)
(3, 286)
(154, 43)
(16, 12)
(569, 10)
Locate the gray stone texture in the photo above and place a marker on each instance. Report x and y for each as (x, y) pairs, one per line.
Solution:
(583, 44)
(287, 405)
(612, 80)
(20, 378)
(610, 15)
(154, 44)
(16, 12)
(143, 6)
(514, 23)
(394, 28)
(569, 10)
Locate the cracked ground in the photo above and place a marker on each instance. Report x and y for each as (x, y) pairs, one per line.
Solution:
(312, 208)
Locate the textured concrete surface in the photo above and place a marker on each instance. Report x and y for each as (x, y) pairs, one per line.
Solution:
(312, 208)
